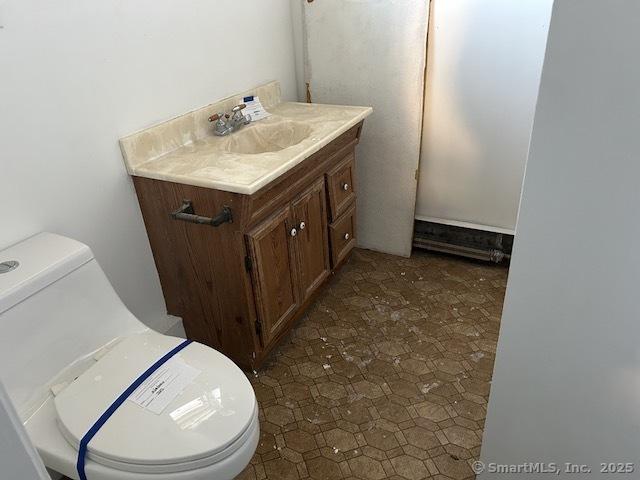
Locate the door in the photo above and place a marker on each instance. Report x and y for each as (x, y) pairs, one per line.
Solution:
(274, 272)
(311, 242)
(483, 74)
(338, 71)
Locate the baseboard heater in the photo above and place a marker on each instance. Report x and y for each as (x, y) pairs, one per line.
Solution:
(467, 242)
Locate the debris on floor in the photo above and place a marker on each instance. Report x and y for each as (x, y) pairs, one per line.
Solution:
(388, 373)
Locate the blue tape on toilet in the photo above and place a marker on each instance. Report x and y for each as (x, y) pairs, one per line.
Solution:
(82, 449)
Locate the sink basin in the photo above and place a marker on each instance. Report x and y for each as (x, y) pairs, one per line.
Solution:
(267, 137)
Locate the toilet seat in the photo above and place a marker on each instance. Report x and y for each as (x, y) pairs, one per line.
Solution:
(208, 421)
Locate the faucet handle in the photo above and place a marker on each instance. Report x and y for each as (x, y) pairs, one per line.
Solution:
(237, 108)
(216, 117)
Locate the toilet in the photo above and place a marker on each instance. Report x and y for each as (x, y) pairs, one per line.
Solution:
(69, 347)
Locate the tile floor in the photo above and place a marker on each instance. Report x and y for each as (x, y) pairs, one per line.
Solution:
(387, 376)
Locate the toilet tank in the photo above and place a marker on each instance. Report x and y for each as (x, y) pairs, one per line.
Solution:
(56, 308)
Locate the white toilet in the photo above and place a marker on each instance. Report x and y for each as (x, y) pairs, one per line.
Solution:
(69, 347)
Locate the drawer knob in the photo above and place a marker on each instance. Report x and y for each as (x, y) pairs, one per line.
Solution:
(302, 226)
(293, 232)
(347, 236)
(345, 186)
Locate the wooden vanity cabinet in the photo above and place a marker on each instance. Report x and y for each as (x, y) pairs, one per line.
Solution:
(240, 287)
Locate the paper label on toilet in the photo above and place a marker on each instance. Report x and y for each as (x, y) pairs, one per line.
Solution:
(166, 383)
(254, 108)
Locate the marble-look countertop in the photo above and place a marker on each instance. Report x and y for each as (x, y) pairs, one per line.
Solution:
(185, 150)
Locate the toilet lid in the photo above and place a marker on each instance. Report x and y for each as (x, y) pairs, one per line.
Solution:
(205, 408)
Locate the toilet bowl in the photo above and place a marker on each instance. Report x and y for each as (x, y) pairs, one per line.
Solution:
(71, 348)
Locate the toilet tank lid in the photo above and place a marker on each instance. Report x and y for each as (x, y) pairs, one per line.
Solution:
(41, 260)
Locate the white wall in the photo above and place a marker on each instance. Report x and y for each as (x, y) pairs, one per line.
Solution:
(372, 52)
(18, 457)
(299, 39)
(566, 386)
(75, 76)
(484, 64)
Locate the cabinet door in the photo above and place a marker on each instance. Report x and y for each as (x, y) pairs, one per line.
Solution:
(274, 272)
(312, 243)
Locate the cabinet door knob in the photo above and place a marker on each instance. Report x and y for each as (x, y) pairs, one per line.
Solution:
(293, 232)
(347, 236)
(345, 186)
(302, 226)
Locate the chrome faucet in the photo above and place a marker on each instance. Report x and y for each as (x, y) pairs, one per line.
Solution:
(227, 123)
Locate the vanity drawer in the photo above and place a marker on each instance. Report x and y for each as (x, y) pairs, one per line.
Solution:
(340, 185)
(342, 233)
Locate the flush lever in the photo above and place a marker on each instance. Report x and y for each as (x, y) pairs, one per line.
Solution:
(187, 213)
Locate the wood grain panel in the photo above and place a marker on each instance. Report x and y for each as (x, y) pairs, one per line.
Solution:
(201, 268)
(312, 243)
(274, 272)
